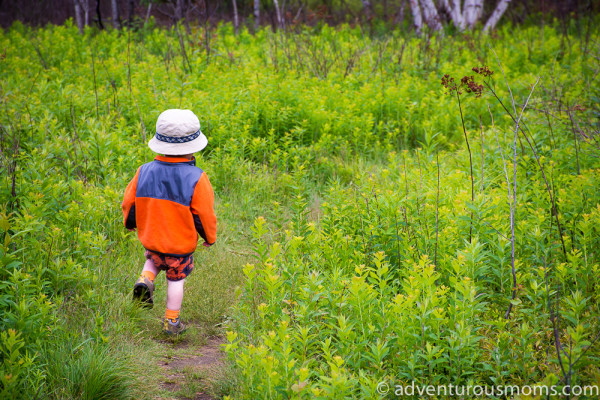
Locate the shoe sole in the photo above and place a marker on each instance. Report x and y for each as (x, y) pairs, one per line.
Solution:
(142, 294)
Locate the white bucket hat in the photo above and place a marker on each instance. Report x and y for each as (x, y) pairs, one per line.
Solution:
(177, 133)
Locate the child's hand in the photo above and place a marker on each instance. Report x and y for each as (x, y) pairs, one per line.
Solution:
(205, 244)
(131, 230)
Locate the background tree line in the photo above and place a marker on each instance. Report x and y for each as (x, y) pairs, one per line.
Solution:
(413, 14)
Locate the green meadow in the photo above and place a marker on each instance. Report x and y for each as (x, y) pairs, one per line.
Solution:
(375, 226)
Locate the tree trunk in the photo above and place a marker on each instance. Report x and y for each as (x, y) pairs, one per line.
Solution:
(115, 14)
(496, 15)
(236, 21)
(278, 13)
(455, 13)
(368, 9)
(431, 15)
(205, 23)
(130, 13)
(78, 16)
(473, 10)
(86, 11)
(98, 15)
(460, 20)
(179, 10)
(256, 14)
(399, 17)
(148, 13)
(416, 12)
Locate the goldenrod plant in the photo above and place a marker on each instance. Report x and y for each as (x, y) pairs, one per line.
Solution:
(356, 249)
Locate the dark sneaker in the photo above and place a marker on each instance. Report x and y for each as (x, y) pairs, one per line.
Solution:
(142, 291)
(171, 328)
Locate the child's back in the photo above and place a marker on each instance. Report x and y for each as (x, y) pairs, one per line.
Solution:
(170, 201)
(173, 204)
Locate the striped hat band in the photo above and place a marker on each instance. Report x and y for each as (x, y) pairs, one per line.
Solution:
(178, 139)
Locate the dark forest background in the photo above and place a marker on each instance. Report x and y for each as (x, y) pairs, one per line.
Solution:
(253, 13)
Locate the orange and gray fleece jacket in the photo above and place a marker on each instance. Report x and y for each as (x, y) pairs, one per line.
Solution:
(170, 201)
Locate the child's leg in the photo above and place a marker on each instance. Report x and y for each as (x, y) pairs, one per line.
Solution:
(150, 271)
(144, 287)
(174, 299)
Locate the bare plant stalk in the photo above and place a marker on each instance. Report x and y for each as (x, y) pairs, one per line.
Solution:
(141, 123)
(95, 86)
(206, 31)
(183, 51)
(575, 139)
(421, 224)
(537, 158)
(514, 197)
(481, 140)
(437, 209)
(128, 59)
(555, 327)
(510, 204)
(470, 163)
(14, 203)
(397, 236)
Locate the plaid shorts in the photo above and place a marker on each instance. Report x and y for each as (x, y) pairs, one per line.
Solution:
(177, 268)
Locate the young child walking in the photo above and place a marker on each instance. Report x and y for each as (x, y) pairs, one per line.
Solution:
(170, 202)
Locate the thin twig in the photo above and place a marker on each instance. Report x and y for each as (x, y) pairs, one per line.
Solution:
(481, 140)
(512, 220)
(554, 211)
(437, 209)
(470, 163)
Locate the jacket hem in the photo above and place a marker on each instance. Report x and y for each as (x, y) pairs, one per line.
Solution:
(170, 254)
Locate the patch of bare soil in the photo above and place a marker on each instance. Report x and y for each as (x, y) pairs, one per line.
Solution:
(191, 370)
(203, 357)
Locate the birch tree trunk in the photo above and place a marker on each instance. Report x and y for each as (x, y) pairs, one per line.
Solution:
(455, 13)
(148, 13)
(416, 13)
(278, 13)
(78, 16)
(496, 15)
(460, 20)
(236, 21)
(472, 13)
(431, 15)
(256, 14)
(86, 11)
(466, 18)
(115, 14)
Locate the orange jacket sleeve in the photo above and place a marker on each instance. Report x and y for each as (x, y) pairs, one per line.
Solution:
(203, 206)
(128, 205)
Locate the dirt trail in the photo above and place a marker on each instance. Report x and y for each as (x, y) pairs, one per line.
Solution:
(193, 368)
